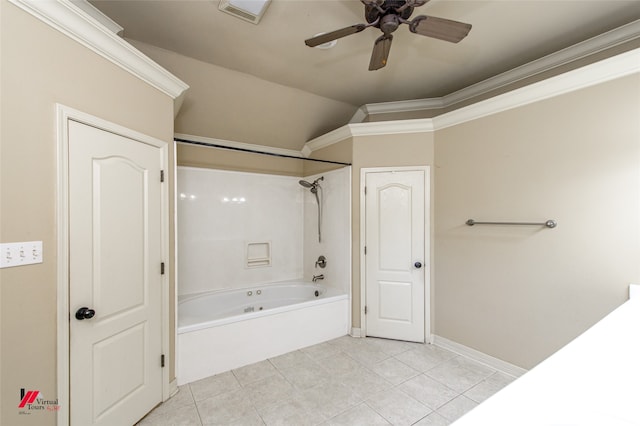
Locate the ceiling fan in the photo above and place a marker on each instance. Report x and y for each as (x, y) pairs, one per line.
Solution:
(387, 15)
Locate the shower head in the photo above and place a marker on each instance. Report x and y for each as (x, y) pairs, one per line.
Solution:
(312, 186)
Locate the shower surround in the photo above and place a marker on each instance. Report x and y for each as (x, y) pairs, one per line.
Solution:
(238, 229)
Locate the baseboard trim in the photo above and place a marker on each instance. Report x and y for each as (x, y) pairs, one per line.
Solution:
(173, 387)
(475, 355)
(356, 332)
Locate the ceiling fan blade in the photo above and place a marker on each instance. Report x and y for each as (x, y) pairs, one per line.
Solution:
(440, 28)
(334, 35)
(380, 52)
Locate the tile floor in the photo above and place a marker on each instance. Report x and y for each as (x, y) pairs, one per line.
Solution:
(346, 381)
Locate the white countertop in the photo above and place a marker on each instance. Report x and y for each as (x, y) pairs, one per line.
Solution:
(594, 380)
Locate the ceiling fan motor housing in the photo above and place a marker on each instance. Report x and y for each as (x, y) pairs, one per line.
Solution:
(371, 13)
(389, 23)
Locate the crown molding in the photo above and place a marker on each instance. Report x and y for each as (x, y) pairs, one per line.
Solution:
(96, 14)
(367, 129)
(397, 106)
(237, 145)
(608, 69)
(94, 33)
(562, 57)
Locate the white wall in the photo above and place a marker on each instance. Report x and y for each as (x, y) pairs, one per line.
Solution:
(336, 230)
(219, 212)
(213, 233)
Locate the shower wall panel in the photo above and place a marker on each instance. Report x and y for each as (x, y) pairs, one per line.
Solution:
(335, 197)
(221, 212)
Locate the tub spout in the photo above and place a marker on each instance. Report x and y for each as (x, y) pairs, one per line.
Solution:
(318, 277)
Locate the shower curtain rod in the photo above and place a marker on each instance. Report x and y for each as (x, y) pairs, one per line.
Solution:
(253, 151)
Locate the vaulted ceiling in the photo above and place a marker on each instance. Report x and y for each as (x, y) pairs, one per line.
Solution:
(505, 34)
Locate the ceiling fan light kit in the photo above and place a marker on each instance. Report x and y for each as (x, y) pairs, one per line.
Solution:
(387, 16)
(247, 10)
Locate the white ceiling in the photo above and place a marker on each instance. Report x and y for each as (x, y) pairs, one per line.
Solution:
(505, 34)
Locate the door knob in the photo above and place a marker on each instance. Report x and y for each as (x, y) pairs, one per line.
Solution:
(418, 265)
(84, 313)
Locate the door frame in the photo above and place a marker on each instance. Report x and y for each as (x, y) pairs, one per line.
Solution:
(63, 115)
(427, 243)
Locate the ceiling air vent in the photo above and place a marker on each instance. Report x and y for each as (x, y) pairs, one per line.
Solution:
(247, 10)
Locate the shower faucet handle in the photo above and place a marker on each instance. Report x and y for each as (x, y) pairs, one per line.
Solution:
(321, 262)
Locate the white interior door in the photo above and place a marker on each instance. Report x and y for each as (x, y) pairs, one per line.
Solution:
(115, 249)
(395, 254)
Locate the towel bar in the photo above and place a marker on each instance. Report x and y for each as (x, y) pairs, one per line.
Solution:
(549, 223)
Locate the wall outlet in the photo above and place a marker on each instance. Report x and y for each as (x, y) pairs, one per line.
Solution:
(20, 254)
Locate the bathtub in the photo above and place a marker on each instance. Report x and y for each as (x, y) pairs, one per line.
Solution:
(222, 330)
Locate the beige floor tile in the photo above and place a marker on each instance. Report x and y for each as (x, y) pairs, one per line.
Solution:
(252, 419)
(304, 377)
(431, 393)
(397, 407)
(290, 412)
(269, 391)
(425, 357)
(255, 372)
(327, 399)
(361, 415)
(365, 383)
(457, 407)
(394, 371)
(433, 419)
(321, 351)
(459, 374)
(214, 385)
(186, 415)
(339, 364)
(488, 387)
(390, 347)
(366, 354)
(225, 408)
(292, 359)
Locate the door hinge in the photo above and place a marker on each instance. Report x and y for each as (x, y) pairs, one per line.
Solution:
(161, 175)
(162, 360)
(162, 268)
(365, 190)
(365, 310)
(365, 250)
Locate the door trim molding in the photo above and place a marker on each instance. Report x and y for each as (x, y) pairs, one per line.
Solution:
(65, 114)
(427, 243)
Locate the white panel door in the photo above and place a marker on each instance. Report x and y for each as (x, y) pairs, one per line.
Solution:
(115, 255)
(395, 255)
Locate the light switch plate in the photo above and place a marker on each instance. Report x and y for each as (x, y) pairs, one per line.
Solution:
(20, 254)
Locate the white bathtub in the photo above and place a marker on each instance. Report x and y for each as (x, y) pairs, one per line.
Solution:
(223, 330)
